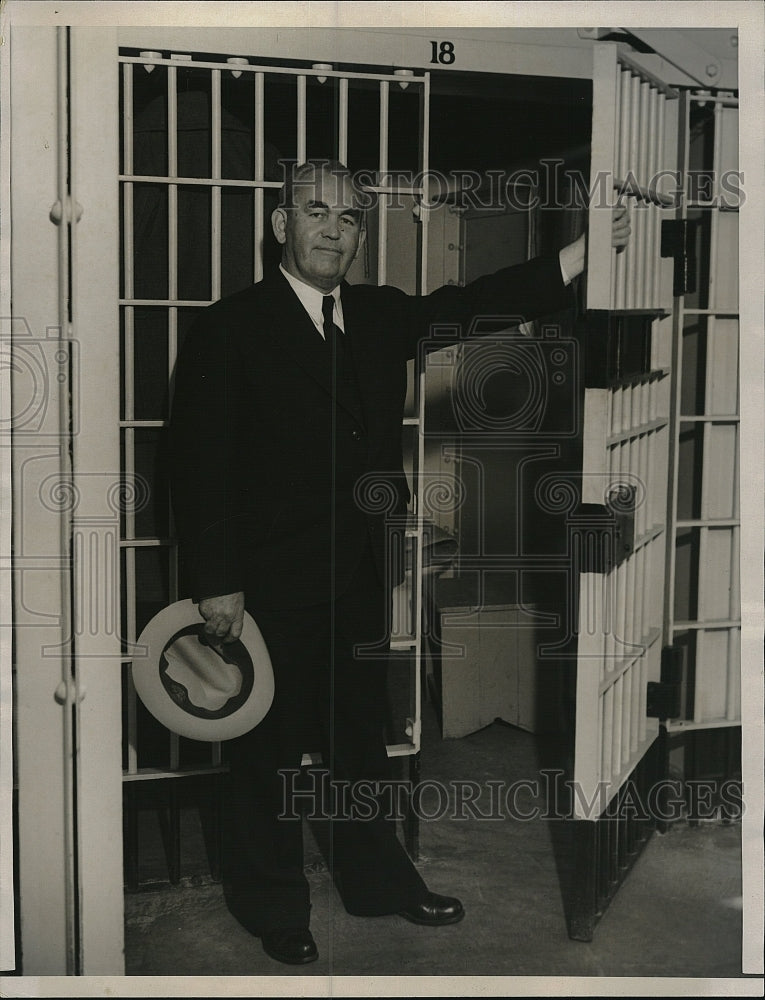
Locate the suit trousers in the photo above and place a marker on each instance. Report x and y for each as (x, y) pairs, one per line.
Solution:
(329, 695)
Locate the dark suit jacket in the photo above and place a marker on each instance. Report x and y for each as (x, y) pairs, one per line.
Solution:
(276, 490)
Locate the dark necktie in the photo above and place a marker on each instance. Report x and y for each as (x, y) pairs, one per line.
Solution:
(332, 334)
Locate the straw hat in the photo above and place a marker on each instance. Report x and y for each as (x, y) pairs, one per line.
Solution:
(196, 690)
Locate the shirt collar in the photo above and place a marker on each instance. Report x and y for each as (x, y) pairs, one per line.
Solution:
(311, 300)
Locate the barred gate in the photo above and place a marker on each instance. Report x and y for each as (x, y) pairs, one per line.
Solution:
(619, 544)
(202, 137)
(659, 610)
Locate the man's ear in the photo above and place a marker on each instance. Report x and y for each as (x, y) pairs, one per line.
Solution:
(279, 225)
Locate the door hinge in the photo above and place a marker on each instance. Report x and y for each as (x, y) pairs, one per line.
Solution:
(663, 699)
(68, 691)
(66, 211)
(678, 240)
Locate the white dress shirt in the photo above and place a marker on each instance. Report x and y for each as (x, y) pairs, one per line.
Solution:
(311, 299)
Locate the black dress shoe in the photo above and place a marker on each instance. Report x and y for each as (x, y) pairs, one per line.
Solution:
(434, 911)
(292, 945)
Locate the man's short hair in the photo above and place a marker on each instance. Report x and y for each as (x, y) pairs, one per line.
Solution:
(296, 174)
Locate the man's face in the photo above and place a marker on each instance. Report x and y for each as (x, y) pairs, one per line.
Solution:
(322, 233)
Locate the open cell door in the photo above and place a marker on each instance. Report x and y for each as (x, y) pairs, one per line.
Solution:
(618, 538)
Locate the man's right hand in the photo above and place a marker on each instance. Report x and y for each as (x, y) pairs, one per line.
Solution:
(224, 617)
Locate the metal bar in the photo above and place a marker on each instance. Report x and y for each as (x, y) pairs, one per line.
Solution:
(640, 530)
(625, 98)
(721, 313)
(172, 348)
(652, 262)
(258, 208)
(342, 120)
(606, 752)
(661, 117)
(682, 725)
(610, 579)
(727, 100)
(715, 224)
(254, 185)
(198, 181)
(132, 696)
(621, 466)
(127, 189)
(156, 773)
(629, 600)
(675, 396)
(172, 191)
(129, 411)
(215, 207)
(165, 303)
(641, 211)
(382, 239)
(698, 678)
(709, 623)
(619, 128)
(706, 470)
(709, 522)
(647, 440)
(636, 676)
(616, 738)
(146, 543)
(143, 423)
(281, 70)
(628, 712)
(424, 217)
(301, 118)
(652, 627)
(382, 230)
(619, 125)
(732, 693)
(632, 164)
(172, 122)
(70, 748)
(710, 418)
(719, 203)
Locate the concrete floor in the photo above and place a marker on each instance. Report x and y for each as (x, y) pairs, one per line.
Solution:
(678, 914)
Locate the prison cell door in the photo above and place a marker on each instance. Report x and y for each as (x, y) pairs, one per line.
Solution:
(617, 535)
(202, 134)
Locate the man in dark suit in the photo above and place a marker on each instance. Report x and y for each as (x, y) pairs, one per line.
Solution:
(287, 473)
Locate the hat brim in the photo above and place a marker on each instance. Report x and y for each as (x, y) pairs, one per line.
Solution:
(154, 694)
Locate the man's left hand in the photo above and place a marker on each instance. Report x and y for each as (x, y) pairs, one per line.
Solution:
(620, 227)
